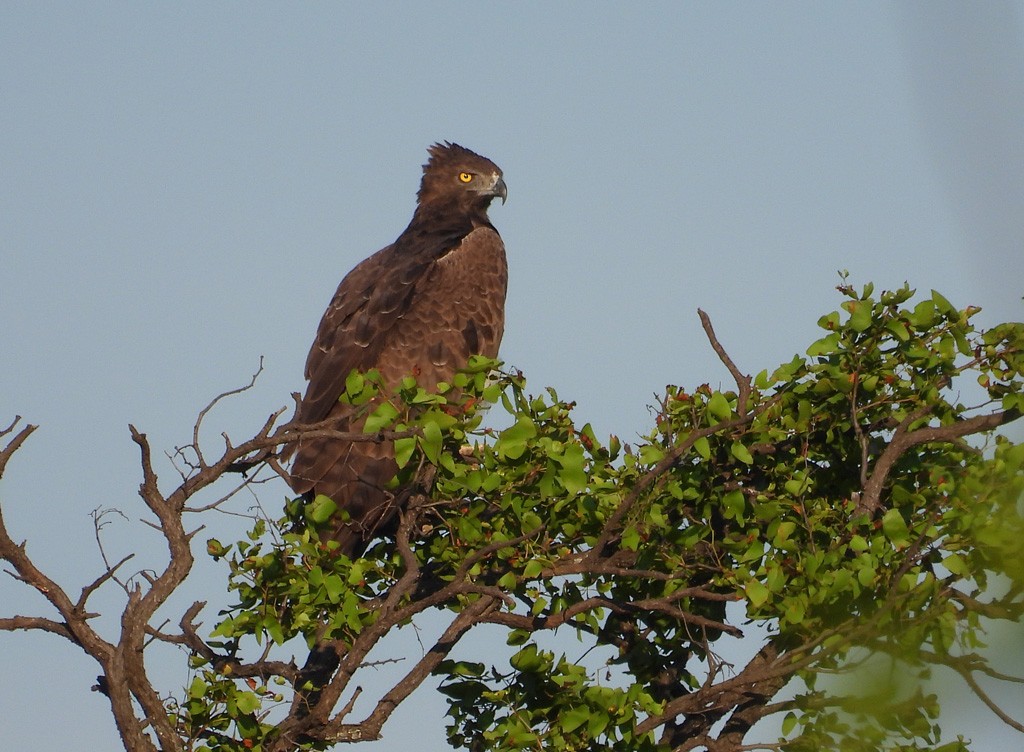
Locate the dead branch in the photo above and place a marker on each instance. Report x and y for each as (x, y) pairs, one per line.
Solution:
(14, 444)
(213, 403)
(108, 574)
(741, 379)
(29, 623)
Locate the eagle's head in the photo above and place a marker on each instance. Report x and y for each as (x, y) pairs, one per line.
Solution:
(454, 177)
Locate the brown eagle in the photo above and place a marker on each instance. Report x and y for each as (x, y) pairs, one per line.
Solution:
(421, 306)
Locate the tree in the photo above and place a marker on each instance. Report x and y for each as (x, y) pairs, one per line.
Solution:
(811, 517)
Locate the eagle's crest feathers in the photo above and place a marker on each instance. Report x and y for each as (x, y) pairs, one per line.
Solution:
(456, 176)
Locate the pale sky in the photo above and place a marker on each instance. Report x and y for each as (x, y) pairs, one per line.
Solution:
(183, 186)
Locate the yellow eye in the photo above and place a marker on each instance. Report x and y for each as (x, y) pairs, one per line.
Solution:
(466, 177)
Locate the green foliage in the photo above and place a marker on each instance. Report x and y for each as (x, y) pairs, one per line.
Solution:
(833, 501)
(219, 714)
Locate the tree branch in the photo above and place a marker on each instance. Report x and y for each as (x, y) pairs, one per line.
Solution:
(741, 379)
(29, 623)
(14, 444)
(904, 439)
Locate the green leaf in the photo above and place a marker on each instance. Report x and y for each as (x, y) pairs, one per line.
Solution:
(860, 314)
(825, 346)
(380, 418)
(481, 364)
(866, 575)
(431, 441)
(517, 637)
(356, 573)
(573, 476)
(796, 486)
(783, 532)
(354, 383)
(334, 587)
(321, 509)
(895, 527)
(719, 407)
(830, 321)
(597, 724)
(795, 611)
(614, 446)
(898, 329)
(275, 630)
(757, 593)
(651, 454)
(197, 688)
(1013, 402)
(703, 447)
(215, 548)
(527, 659)
(944, 306)
(734, 503)
(533, 568)
(247, 702)
(788, 723)
(573, 718)
(404, 449)
(513, 440)
(741, 453)
(923, 315)
(466, 668)
(465, 691)
(956, 564)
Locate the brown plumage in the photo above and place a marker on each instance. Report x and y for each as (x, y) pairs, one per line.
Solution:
(421, 306)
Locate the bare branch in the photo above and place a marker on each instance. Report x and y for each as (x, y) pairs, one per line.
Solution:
(93, 586)
(1001, 714)
(742, 380)
(221, 501)
(28, 623)
(14, 444)
(149, 491)
(213, 403)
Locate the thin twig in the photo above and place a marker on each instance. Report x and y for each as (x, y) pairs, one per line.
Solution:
(213, 403)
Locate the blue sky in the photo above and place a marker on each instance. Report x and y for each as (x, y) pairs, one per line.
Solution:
(184, 185)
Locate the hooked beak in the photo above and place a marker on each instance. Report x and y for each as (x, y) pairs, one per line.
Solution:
(499, 189)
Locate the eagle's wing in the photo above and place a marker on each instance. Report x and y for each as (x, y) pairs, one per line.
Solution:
(365, 306)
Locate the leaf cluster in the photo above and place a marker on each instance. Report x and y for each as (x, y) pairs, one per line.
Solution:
(833, 501)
